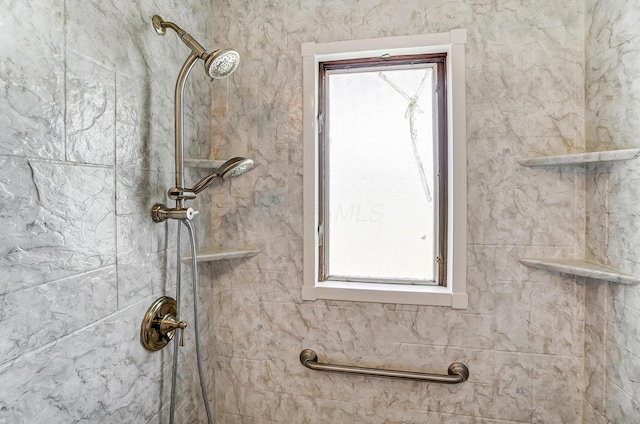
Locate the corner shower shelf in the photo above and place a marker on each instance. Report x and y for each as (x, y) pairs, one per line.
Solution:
(582, 268)
(210, 255)
(203, 163)
(581, 158)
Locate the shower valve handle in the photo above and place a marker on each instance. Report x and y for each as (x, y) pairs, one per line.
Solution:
(160, 213)
(169, 323)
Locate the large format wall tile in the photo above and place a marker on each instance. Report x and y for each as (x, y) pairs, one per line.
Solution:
(60, 217)
(32, 78)
(612, 342)
(90, 112)
(95, 374)
(55, 310)
(525, 97)
(86, 130)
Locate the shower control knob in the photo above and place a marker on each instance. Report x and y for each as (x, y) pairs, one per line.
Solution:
(169, 324)
(159, 324)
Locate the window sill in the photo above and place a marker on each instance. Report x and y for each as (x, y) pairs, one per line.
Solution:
(386, 293)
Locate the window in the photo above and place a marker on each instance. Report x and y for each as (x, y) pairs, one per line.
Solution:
(382, 170)
(385, 170)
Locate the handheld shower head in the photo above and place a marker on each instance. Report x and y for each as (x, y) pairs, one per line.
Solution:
(229, 169)
(219, 64)
(235, 167)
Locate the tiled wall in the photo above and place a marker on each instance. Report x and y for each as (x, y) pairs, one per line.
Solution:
(86, 98)
(612, 337)
(522, 336)
(86, 147)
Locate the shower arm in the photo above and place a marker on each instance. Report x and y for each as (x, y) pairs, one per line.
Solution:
(161, 28)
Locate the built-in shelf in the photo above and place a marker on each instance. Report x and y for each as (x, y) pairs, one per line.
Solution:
(581, 158)
(221, 254)
(582, 268)
(203, 163)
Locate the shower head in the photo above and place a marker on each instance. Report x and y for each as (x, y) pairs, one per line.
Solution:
(235, 167)
(229, 169)
(219, 64)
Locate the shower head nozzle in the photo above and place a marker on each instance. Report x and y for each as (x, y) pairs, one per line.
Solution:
(235, 167)
(229, 169)
(221, 63)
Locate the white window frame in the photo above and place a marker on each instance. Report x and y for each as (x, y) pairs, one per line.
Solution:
(454, 293)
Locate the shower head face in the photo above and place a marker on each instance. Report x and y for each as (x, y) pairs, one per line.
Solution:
(222, 63)
(234, 167)
(229, 169)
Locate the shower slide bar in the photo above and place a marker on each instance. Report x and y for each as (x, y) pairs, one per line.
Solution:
(457, 372)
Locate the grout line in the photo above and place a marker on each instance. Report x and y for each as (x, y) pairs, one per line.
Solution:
(61, 279)
(63, 338)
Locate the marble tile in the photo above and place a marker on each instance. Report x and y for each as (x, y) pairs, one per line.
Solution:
(143, 269)
(137, 190)
(591, 416)
(67, 381)
(509, 267)
(524, 95)
(59, 237)
(513, 389)
(133, 147)
(32, 102)
(543, 212)
(620, 407)
(60, 221)
(112, 39)
(90, 112)
(481, 277)
(55, 310)
(557, 400)
(133, 101)
(527, 98)
(594, 374)
(521, 317)
(622, 370)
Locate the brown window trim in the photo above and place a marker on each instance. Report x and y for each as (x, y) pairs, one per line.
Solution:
(442, 144)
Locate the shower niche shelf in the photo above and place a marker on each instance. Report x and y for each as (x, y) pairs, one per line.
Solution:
(581, 268)
(220, 254)
(574, 266)
(581, 158)
(203, 163)
(206, 163)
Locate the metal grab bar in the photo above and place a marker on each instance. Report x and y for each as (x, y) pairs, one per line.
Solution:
(457, 372)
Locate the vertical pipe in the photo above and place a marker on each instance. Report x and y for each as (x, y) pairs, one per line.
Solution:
(179, 118)
(180, 203)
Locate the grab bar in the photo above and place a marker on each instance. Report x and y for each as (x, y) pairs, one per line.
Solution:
(457, 372)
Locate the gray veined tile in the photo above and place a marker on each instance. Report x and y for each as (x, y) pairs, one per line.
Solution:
(32, 96)
(55, 310)
(90, 112)
(59, 221)
(100, 371)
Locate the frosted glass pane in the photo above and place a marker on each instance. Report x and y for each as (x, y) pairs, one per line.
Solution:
(380, 214)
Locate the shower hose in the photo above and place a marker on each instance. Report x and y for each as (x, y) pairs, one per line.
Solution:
(174, 374)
